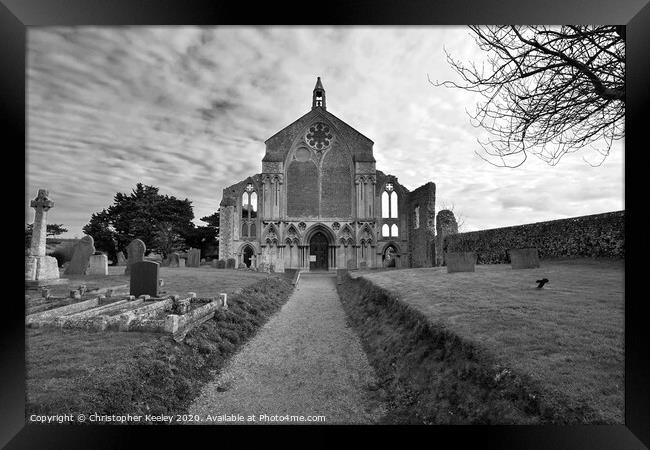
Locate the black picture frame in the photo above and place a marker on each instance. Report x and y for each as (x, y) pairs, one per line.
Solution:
(17, 15)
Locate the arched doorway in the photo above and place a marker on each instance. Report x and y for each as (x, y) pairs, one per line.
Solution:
(248, 255)
(389, 256)
(318, 252)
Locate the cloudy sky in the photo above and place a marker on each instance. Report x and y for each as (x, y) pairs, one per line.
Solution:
(188, 109)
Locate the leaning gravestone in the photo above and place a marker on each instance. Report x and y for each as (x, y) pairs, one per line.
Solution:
(98, 265)
(460, 261)
(524, 258)
(83, 250)
(121, 260)
(174, 260)
(144, 278)
(193, 258)
(135, 253)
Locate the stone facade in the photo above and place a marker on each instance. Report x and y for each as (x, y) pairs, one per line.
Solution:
(320, 204)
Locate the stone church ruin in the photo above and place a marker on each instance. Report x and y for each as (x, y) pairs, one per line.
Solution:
(320, 204)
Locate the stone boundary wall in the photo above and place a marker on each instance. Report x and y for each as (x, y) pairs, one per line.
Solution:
(597, 235)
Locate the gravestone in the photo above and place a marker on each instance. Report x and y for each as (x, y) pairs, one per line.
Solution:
(40, 269)
(363, 265)
(83, 250)
(193, 257)
(351, 265)
(135, 253)
(144, 278)
(279, 266)
(230, 263)
(460, 261)
(524, 258)
(181, 262)
(220, 264)
(98, 265)
(174, 260)
(121, 260)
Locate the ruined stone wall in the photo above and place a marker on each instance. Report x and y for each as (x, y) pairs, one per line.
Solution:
(597, 235)
(422, 239)
(445, 225)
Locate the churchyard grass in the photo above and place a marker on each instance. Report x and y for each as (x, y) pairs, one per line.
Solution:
(75, 371)
(564, 342)
(205, 281)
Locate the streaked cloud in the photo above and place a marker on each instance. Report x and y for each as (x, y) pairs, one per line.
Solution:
(188, 109)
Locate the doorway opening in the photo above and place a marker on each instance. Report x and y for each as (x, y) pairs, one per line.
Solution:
(318, 252)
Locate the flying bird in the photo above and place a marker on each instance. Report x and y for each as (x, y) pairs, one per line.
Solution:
(541, 283)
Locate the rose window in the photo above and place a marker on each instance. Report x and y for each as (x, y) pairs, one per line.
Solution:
(319, 136)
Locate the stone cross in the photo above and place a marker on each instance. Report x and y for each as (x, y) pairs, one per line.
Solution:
(39, 230)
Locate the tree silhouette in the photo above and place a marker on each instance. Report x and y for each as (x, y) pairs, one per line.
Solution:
(141, 214)
(547, 90)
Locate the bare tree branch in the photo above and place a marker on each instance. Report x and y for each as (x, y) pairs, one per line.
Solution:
(547, 91)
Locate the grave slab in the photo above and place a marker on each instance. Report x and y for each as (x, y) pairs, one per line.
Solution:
(460, 261)
(98, 265)
(144, 278)
(82, 252)
(524, 258)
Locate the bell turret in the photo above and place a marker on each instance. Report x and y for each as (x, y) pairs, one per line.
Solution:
(319, 96)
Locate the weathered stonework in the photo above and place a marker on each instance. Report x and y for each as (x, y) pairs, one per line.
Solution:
(40, 269)
(98, 265)
(319, 205)
(445, 225)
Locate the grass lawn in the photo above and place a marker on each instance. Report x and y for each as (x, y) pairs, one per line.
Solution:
(76, 371)
(568, 336)
(205, 281)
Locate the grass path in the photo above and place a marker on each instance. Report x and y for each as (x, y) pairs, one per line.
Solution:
(304, 361)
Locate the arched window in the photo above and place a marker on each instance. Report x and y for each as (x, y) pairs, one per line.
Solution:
(389, 202)
(393, 205)
(385, 230)
(385, 205)
(248, 211)
(417, 217)
(393, 230)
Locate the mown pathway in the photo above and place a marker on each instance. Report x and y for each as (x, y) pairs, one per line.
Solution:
(304, 362)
